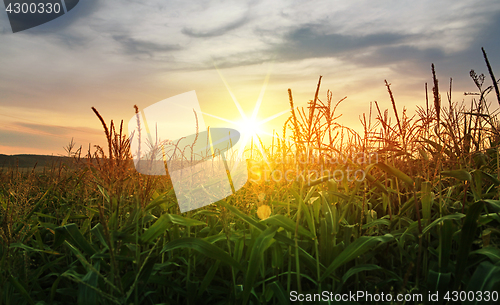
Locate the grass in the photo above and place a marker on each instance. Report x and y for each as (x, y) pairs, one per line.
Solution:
(418, 215)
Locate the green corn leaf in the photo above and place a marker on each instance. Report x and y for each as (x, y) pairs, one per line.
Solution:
(244, 217)
(287, 224)
(157, 229)
(87, 265)
(98, 231)
(53, 289)
(158, 201)
(86, 294)
(426, 200)
(437, 281)
(144, 272)
(439, 148)
(456, 216)
(256, 224)
(485, 278)
(28, 248)
(184, 221)
(305, 209)
(209, 276)
(360, 268)
(279, 292)
(21, 289)
(202, 247)
(466, 239)
(262, 242)
(377, 183)
(72, 275)
(494, 205)
(396, 172)
(355, 249)
(376, 222)
(490, 177)
(71, 233)
(492, 253)
(162, 223)
(459, 174)
(445, 244)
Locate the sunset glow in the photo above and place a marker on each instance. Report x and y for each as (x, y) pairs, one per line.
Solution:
(240, 58)
(250, 127)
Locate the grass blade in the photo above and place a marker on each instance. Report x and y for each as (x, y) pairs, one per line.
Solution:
(466, 238)
(204, 248)
(357, 248)
(262, 242)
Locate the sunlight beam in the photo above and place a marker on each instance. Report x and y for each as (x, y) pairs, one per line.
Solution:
(261, 95)
(242, 113)
(218, 117)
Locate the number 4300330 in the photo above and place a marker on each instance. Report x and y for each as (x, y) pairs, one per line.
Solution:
(33, 8)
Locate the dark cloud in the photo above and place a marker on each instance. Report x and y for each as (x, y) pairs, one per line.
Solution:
(456, 65)
(385, 55)
(137, 47)
(216, 31)
(307, 42)
(247, 58)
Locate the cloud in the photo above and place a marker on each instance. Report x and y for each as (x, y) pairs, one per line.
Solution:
(23, 139)
(138, 47)
(57, 130)
(218, 31)
(307, 42)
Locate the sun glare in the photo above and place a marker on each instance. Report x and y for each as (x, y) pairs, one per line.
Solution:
(249, 127)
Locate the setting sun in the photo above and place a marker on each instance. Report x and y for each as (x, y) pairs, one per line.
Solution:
(249, 127)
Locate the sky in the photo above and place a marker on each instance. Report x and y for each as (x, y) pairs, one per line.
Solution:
(115, 54)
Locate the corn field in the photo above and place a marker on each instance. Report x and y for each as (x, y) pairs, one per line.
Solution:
(410, 205)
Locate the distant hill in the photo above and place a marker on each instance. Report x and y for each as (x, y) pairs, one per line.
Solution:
(30, 161)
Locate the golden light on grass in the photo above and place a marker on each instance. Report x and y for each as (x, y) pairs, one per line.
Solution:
(264, 211)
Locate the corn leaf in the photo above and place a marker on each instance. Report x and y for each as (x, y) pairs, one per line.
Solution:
(202, 247)
(355, 249)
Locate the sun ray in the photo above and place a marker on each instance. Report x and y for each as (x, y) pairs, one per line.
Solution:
(218, 117)
(261, 95)
(249, 126)
(242, 113)
(272, 117)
